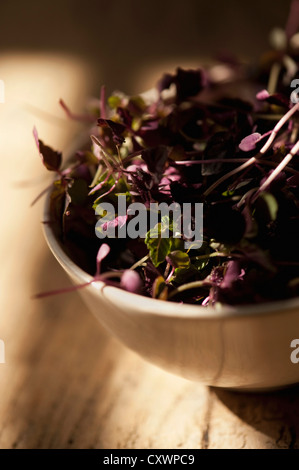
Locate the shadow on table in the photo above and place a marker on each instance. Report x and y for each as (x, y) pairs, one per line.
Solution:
(275, 414)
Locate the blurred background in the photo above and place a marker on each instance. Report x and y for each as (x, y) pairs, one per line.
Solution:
(125, 41)
(66, 382)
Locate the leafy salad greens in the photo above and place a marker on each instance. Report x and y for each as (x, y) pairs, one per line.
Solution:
(225, 136)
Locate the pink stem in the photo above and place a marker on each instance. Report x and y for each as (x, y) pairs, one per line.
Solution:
(228, 175)
(100, 185)
(278, 126)
(232, 160)
(44, 191)
(170, 275)
(76, 117)
(277, 170)
(263, 150)
(64, 290)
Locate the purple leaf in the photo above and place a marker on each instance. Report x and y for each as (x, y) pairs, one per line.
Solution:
(219, 146)
(249, 142)
(102, 253)
(131, 281)
(50, 158)
(262, 95)
(155, 158)
(233, 272)
(188, 83)
(125, 116)
(116, 128)
(165, 82)
(142, 182)
(170, 175)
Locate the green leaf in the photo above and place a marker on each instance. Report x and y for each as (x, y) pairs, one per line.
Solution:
(178, 259)
(112, 197)
(136, 124)
(183, 274)
(202, 257)
(57, 200)
(170, 224)
(158, 245)
(228, 193)
(166, 223)
(201, 263)
(114, 101)
(177, 244)
(269, 203)
(159, 288)
(136, 105)
(90, 158)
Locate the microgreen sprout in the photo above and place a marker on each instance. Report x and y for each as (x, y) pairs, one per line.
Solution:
(190, 140)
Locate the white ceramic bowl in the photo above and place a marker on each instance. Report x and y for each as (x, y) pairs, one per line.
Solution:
(242, 348)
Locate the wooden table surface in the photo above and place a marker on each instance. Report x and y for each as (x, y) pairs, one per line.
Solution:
(66, 382)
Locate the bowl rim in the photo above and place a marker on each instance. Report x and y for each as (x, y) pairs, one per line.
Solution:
(157, 306)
